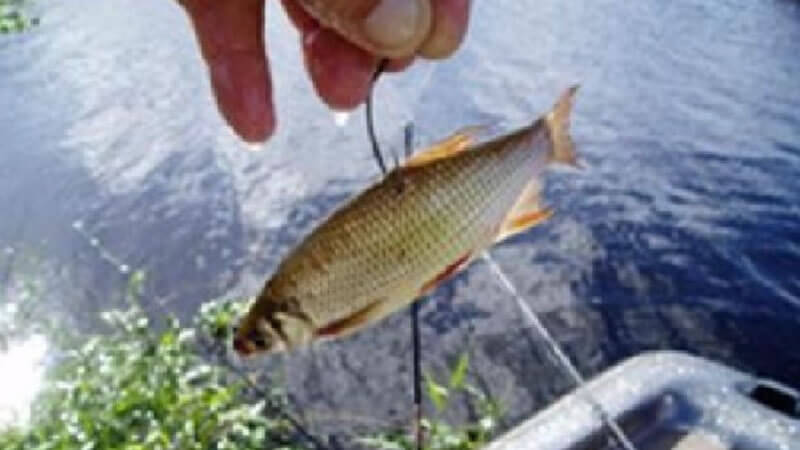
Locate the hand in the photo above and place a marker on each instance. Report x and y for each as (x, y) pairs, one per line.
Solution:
(343, 42)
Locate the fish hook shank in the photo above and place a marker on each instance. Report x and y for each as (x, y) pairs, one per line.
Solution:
(376, 150)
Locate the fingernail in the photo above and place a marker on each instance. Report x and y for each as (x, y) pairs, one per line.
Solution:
(394, 23)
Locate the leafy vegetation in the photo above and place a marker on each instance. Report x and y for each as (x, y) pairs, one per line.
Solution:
(137, 388)
(438, 434)
(145, 385)
(12, 17)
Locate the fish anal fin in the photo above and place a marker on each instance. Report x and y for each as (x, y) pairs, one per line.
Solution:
(522, 222)
(353, 322)
(448, 271)
(456, 143)
(526, 213)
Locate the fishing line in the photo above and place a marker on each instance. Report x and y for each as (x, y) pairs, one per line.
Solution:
(275, 408)
(560, 355)
(102, 251)
(553, 345)
(414, 311)
(417, 374)
(658, 37)
(409, 142)
(562, 358)
(294, 422)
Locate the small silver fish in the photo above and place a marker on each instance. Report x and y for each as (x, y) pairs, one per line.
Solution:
(403, 236)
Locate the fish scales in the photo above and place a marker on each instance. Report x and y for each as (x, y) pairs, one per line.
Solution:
(391, 224)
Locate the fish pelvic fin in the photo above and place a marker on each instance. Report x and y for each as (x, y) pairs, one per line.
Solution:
(557, 121)
(446, 273)
(526, 213)
(458, 142)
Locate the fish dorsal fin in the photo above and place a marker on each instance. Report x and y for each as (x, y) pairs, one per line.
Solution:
(456, 143)
(527, 212)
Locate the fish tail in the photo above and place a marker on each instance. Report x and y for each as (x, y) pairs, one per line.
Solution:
(562, 147)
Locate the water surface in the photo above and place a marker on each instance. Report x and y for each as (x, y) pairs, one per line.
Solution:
(682, 233)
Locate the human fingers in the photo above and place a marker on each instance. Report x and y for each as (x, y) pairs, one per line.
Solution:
(341, 72)
(450, 19)
(230, 34)
(385, 28)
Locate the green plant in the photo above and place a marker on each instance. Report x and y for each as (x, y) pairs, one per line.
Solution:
(438, 434)
(137, 388)
(145, 385)
(217, 317)
(12, 18)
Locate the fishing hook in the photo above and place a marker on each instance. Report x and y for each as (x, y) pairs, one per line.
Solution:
(376, 150)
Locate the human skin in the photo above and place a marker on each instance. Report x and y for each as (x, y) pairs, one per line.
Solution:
(343, 41)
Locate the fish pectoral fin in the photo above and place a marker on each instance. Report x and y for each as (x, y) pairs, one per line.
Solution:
(526, 213)
(523, 222)
(459, 141)
(353, 322)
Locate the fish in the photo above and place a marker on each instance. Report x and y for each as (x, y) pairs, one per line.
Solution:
(406, 234)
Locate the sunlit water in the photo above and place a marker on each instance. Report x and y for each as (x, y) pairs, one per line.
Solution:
(23, 371)
(683, 232)
(23, 365)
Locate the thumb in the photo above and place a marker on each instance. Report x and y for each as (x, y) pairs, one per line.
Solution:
(388, 28)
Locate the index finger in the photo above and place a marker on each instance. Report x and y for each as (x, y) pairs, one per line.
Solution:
(231, 38)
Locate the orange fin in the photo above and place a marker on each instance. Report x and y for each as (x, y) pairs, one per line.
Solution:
(460, 140)
(526, 213)
(563, 149)
(445, 274)
(353, 322)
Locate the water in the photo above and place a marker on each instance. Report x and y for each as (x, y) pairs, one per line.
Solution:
(682, 232)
